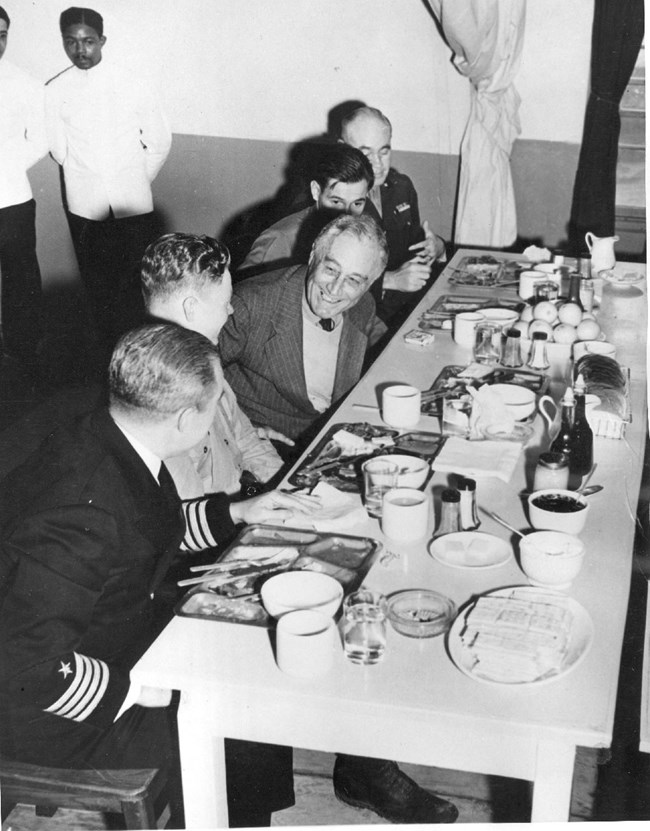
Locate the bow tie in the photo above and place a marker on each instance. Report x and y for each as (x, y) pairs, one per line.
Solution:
(326, 323)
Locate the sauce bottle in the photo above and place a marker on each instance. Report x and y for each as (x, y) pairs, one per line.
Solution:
(581, 457)
(562, 442)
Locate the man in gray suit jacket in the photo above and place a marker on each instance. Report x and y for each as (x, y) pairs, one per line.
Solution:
(296, 341)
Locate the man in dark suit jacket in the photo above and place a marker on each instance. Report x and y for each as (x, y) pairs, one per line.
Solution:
(296, 341)
(90, 524)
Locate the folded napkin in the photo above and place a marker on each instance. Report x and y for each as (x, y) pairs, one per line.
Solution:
(338, 511)
(536, 254)
(489, 414)
(478, 460)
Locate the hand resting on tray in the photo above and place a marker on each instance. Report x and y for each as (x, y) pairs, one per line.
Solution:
(273, 507)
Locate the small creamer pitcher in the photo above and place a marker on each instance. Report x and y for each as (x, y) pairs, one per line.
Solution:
(553, 420)
(602, 253)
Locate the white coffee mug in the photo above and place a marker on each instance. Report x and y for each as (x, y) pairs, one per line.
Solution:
(528, 280)
(405, 514)
(400, 406)
(465, 324)
(305, 643)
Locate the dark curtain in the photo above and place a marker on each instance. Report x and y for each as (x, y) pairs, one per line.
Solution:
(616, 39)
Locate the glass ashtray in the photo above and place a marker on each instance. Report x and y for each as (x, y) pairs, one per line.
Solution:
(420, 613)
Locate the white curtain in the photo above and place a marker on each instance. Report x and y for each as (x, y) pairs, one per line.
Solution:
(486, 37)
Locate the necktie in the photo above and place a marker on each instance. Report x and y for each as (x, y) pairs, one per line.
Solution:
(167, 486)
(326, 323)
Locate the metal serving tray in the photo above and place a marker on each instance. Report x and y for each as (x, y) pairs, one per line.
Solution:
(327, 462)
(230, 592)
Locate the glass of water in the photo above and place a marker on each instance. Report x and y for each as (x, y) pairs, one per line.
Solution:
(364, 633)
(379, 476)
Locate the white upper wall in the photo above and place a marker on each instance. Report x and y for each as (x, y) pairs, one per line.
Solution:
(260, 70)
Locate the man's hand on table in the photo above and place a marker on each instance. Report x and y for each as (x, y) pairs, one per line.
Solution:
(275, 506)
(273, 435)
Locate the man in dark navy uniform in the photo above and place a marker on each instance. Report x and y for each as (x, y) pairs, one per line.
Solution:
(393, 203)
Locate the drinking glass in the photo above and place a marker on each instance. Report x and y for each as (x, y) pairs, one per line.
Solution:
(378, 477)
(487, 346)
(364, 633)
(456, 412)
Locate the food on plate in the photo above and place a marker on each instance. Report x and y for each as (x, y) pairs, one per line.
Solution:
(559, 503)
(211, 605)
(517, 638)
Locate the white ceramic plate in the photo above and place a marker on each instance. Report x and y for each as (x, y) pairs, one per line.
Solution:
(470, 549)
(582, 634)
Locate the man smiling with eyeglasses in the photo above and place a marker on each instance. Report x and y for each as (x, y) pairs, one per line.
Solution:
(297, 338)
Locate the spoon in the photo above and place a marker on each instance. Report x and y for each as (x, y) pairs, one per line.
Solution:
(587, 478)
(501, 521)
(584, 491)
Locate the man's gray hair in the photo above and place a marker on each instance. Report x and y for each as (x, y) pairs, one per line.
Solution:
(159, 369)
(364, 112)
(362, 227)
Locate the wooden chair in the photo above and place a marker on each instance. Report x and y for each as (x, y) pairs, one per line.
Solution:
(131, 793)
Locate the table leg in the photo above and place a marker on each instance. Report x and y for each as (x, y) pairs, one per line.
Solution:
(202, 765)
(553, 781)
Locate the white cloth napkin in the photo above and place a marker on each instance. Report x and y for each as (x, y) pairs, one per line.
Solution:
(338, 511)
(478, 459)
(489, 413)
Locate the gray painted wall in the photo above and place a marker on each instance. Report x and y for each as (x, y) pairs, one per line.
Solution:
(207, 181)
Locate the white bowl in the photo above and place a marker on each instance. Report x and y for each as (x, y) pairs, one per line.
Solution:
(505, 317)
(551, 559)
(519, 400)
(294, 590)
(413, 471)
(570, 522)
(593, 347)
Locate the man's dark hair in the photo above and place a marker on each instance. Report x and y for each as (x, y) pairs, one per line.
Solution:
(76, 15)
(160, 368)
(342, 163)
(4, 16)
(180, 260)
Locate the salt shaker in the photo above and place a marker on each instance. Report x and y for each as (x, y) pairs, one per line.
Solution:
(511, 355)
(538, 359)
(449, 513)
(469, 520)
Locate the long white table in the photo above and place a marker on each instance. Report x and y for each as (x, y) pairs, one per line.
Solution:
(416, 706)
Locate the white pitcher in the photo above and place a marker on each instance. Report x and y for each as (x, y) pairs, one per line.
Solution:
(602, 253)
(554, 421)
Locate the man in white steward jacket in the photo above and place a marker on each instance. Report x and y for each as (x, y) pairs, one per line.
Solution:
(22, 144)
(108, 131)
